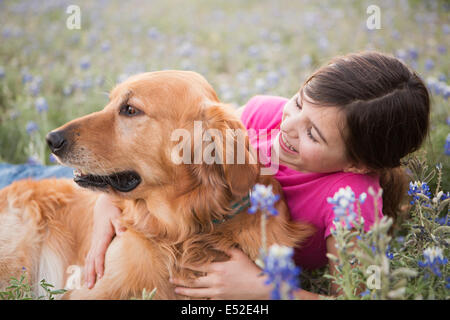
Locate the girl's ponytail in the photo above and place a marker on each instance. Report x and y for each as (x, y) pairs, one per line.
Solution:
(394, 183)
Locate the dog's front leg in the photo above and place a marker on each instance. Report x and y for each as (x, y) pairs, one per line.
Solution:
(132, 264)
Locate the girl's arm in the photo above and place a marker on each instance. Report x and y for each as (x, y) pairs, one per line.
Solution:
(239, 279)
(106, 226)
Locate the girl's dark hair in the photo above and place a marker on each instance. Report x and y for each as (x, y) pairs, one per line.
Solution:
(386, 107)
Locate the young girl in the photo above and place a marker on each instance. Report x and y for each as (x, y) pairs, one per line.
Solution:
(349, 125)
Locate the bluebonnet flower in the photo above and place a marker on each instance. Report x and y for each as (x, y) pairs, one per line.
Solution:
(442, 77)
(281, 270)
(105, 46)
(32, 127)
(26, 76)
(442, 49)
(186, 49)
(253, 51)
(447, 145)
(52, 158)
(446, 92)
(446, 28)
(429, 64)
(2, 72)
(33, 161)
(153, 33)
(262, 198)
(41, 104)
(389, 254)
(34, 88)
(433, 260)
(365, 293)
(441, 196)
(443, 221)
(343, 205)
(400, 239)
(85, 63)
(417, 188)
(272, 78)
(413, 53)
(396, 35)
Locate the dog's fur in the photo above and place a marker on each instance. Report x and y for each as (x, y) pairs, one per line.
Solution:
(46, 226)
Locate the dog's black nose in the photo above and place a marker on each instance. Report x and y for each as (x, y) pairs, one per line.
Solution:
(56, 141)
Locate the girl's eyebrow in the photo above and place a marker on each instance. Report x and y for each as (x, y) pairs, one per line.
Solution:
(313, 125)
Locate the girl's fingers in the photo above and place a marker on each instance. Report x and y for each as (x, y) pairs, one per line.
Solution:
(90, 273)
(100, 265)
(200, 282)
(195, 292)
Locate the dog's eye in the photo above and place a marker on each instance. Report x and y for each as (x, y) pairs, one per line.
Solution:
(129, 111)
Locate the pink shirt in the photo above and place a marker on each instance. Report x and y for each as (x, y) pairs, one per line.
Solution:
(306, 193)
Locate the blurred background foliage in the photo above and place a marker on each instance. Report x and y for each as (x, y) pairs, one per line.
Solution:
(50, 74)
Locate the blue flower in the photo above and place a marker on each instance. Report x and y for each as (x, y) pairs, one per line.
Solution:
(443, 221)
(41, 104)
(413, 53)
(153, 33)
(365, 293)
(417, 188)
(447, 145)
(105, 46)
(32, 127)
(429, 64)
(33, 161)
(400, 239)
(85, 63)
(262, 198)
(343, 201)
(52, 158)
(26, 76)
(433, 260)
(442, 49)
(2, 72)
(282, 272)
(389, 254)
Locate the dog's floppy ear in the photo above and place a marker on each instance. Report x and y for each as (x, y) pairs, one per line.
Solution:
(226, 150)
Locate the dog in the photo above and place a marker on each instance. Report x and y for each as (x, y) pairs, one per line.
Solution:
(175, 214)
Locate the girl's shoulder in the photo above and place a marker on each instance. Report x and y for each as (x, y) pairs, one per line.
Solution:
(359, 183)
(263, 112)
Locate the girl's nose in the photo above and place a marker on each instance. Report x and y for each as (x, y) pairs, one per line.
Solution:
(290, 127)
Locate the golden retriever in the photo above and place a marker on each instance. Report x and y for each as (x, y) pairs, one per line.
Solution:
(175, 214)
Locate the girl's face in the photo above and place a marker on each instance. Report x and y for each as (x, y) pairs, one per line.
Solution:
(309, 139)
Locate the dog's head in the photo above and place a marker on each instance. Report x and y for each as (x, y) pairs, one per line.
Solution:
(158, 127)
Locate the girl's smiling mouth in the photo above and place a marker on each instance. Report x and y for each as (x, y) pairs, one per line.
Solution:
(285, 144)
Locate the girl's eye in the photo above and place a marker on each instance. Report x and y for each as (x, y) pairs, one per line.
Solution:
(129, 111)
(310, 135)
(298, 104)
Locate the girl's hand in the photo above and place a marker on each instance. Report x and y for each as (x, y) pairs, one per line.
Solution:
(106, 226)
(237, 278)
